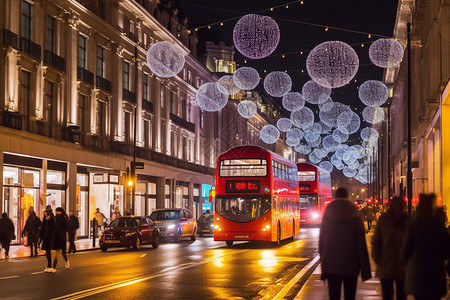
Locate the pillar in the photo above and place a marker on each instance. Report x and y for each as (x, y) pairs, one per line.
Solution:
(1, 180)
(160, 192)
(71, 182)
(166, 146)
(191, 196)
(71, 70)
(117, 90)
(156, 94)
(43, 185)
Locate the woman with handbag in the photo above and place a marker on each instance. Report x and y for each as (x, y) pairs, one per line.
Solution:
(31, 231)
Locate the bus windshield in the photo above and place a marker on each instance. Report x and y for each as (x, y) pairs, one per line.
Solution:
(243, 168)
(242, 209)
(308, 201)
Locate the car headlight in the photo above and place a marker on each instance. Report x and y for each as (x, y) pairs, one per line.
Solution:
(314, 215)
(171, 226)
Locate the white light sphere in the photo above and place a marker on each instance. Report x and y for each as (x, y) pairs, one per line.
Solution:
(332, 64)
(293, 101)
(209, 97)
(165, 59)
(348, 122)
(340, 150)
(302, 149)
(256, 36)
(373, 115)
(311, 136)
(246, 78)
(277, 84)
(320, 152)
(336, 161)
(386, 53)
(373, 93)
(369, 134)
(329, 143)
(317, 127)
(354, 165)
(315, 143)
(315, 93)
(325, 128)
(330, 113)
(284, 124)
(226, 85)
(327, 105)
(348, 172)
(314, 158)
(327, 166)
(247, 109)
(269, 134)
(340, 136)
(350, 156)
(303, 118)
(294, 136)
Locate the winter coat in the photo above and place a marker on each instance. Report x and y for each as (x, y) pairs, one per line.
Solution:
(6, 230)
(73, 224)
(342, 241)
(47, 234)
(425, 249)
(32, 229)
(61, 228)
(387, 243)
(370, 213)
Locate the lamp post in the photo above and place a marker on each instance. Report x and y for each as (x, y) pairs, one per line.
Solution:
(409, 187)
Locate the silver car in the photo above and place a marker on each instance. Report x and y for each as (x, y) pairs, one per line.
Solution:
(175, 223)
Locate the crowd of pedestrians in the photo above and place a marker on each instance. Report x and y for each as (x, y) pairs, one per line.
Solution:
(411, 253)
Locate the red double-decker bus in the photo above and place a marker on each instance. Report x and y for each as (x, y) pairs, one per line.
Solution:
(315, 192)
(256, 196)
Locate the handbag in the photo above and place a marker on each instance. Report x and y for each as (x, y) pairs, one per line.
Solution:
(25, 240)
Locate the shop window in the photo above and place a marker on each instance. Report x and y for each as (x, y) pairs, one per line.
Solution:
(10, 176)
(56, 177)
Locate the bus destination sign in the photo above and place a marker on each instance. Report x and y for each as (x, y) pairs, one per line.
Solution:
(242, 186)
(304, 188)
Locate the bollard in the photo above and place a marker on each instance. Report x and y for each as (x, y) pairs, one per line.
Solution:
(94, 232)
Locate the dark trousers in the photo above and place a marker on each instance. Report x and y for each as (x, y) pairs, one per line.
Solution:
(48, 254)
(55, 260)
(72, 247)
(5, 245)
(35, 246)
(369, 224)
(387, 289)
(335, 284)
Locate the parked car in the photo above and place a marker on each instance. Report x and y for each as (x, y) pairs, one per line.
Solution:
(205, 224)
(175, 223)
(130, 232)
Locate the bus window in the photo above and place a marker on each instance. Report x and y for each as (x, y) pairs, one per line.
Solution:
(308, 200)
(243, 168)
(242, 209)
(306, 176)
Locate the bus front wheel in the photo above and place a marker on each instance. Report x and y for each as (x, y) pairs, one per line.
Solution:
(229, 243)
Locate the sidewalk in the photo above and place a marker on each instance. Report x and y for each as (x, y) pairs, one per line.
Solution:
(17, 251)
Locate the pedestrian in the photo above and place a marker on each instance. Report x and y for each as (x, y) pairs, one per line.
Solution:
(425, 249)
(387, 243)
(47, 236)
(60, 243)
(31, 231)
(370, 216)
(73, 226)
(6, 233)
(116, 214)
(342, 247)
(100, 219)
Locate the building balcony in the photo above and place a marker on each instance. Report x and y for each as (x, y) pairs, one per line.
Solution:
(12, 119)
(10, 39)
(183, 123)
(146, 4)
(129, 96)
(147, 105)
(85, 75)
(54, 60)
(103, 84)
(32, 49)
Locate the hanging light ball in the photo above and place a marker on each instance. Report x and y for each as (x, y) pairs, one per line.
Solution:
(373, 93)
(315, 143)
(277, 84)
(256, 36)
(369, 134)
(325, 128)
(330, 113)
(293, 101)
(340, 136)
(330, 143)
(317, 127)
(269, 134)
(386, 53)
(348, 122)
(165, 59)
(340, 150)
(314, 158)
(246, 78)
(337, 162)
(320, 152)
(327, 105)
(332, 64)
(294, 136)
(327, 166)
(373, 115)
(303, 118)
(284, 124)
(361, 151)
(247, 109)
(226, 85)
(350, 156)
(209, 97)
(354, 165)
(302, 149)
(311, 136)
(349, 172)
(315, 94)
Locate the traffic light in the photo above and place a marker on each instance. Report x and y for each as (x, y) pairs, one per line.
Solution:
(130, 179)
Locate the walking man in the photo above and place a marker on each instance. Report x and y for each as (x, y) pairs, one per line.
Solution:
(73, 226)
(100, 219)
(61, 228)
(6, 233)
(31, 231)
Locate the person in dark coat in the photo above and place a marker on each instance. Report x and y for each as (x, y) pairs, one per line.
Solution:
(47, 236)
(370, 216)
(6, 233)
(31, 231)
(60, 243)
(425, 249)
(73, 226)
(387, 243)
(342, 247)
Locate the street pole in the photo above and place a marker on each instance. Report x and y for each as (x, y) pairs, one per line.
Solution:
(133, 164)
(389, 153)
(409, 190)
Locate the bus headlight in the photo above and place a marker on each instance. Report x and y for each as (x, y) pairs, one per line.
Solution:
(314, 215)
(267, 227)
(216, 226)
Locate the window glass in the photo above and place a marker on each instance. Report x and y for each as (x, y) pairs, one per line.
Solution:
(163, 215)
(100, 61)
(243, 168)
(27, 10)
(55, 177)
(82, 51)
(308, 201)
(125, 223)
(126, 75)
(242, 208)
(306, 175)
(10, 175)
(50, 34)
(82, 179)
(35, 177)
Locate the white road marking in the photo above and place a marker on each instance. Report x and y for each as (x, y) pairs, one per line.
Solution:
(37, 273)
(143, 255)
(9, 277)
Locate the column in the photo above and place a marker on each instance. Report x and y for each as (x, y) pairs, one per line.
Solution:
(156, 93)
(191, 196)
(160, 192)
(71, 184)
(138, 91)
(43, 184)
(71, 70)
(196, 115)
(1, 180)
(166, 146)
(117, 88)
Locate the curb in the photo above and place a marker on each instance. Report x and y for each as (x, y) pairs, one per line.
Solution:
(43, 254)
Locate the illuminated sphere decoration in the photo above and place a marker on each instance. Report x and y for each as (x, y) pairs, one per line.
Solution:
(302, 149)
(209, 97)
(361, 151)
(246, 78)
(327, 166)
(269, 134)
(314, 158)
(284, 124)
(350, 155)
(330, 113)
(256, 36)
(332, 64)
(293, 101)
(354, 165)
(386, 53)
(326, 105)
(317, 127)
(349, 172)
(320, 152)
(227, 86)
(315, 143)
(294, 136)
(165, 59)
(369, 134)
(373, 115)
(340, 136)
(277, 84)
(336, 161)
(315, 94)
(348, 122)
(329, 143)
(303, 118)
(247, 109)
(373, 93)
(311, 136)
(340, 150)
